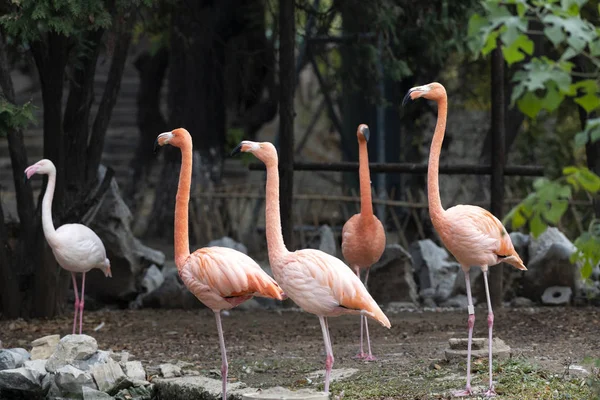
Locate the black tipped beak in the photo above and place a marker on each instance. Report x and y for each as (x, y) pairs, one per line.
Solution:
(237, 149)
(366, 133)
(407, 98)
(156, 146)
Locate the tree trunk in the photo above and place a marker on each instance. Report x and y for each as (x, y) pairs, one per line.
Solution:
(287, 86)
(498, 160)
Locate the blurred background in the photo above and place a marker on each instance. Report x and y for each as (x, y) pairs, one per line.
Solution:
(90, 85)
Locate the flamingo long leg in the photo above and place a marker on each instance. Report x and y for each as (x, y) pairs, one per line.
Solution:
(224, 365)
(490, 392)
(471, 322)
(361, 354)
(370, 356)
(329, 360)
(81, 303)
(76, 301)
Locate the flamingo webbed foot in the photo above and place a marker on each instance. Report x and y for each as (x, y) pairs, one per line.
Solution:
(370, 357)
(490, 392)
(360, 356)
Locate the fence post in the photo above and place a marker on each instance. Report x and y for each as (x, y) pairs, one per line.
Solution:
(498, 161)
(287, 32)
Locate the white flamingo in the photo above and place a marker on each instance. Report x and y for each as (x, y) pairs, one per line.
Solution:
(76, 247)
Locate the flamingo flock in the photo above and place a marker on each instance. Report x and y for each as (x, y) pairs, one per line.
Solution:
(222, 278)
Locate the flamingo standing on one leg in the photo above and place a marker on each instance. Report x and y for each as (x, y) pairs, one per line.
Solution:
(76, 247)
(363, 237)
(473, 235)
(219, 277)
(318, 282)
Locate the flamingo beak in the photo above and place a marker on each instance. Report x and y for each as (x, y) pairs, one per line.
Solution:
(408, 96)
(30, 171)
(162, 139)
(236, 150)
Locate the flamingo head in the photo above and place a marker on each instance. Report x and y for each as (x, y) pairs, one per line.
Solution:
(42, 167)
(363, 132)
(177, 137)
(264, 151)
(432, 91)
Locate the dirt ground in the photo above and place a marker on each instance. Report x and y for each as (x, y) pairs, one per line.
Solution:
(269, 348)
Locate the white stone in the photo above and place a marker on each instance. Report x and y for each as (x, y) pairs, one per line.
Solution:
(336, 374)
(109, 376)
(169, 370)
(70, 380)
(556, 295)
(197, 387)
(72, 348)
(44, 347)
(152, 279)
(278, 393)
(22, 379)
(434, 269)
(135, 371)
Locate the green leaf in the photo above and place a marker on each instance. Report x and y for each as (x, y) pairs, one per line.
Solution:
(529, 105)
(580, 32)
(490, 43)
(589, 102)
(555, 211)
(589, 181)
(537, 226)
(517, 49)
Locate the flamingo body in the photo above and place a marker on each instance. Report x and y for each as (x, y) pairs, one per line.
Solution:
(477, 238)
(219, 275)
(78, 249)
(363, 240)
(75, 246)
(316, 281)
(221, 278)
(473, 235)
(323, 285)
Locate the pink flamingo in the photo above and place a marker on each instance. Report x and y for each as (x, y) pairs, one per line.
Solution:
(363, 237)
(219, 277)
(473, 235)
(76, 247)
(318, 282)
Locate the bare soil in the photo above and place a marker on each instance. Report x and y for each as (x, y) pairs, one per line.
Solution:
(269, 348)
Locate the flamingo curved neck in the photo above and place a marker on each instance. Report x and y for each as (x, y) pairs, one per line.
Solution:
(181, 237)
(436, 210)
(366, 205)
(275, 243)
(47, 223)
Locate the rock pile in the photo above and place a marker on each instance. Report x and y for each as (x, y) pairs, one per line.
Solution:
(72, 368)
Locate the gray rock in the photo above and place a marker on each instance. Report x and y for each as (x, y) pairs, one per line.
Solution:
(522, 302)
(391, 278)
(458, 301)
(129, 258)
(13, 358)
(110, 377)
(37, 365)
(171, 294)
(135, 371)
(434, 269)
(197, 387)
(169, 370)
(228, 242)
(500, 350)
(22, 379)
(398, 306)
(93, 394)
(327, 240)
(521, 243)
(463, 343)
(71, 348)
(70, 380)
(549, 264)
(152, 279)
(557, 295)
(43, 347)
(99, 357)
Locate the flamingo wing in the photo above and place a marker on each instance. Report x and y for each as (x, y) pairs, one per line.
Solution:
(324, 285)
(480, 227)
(227, 273)
(78, 248)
